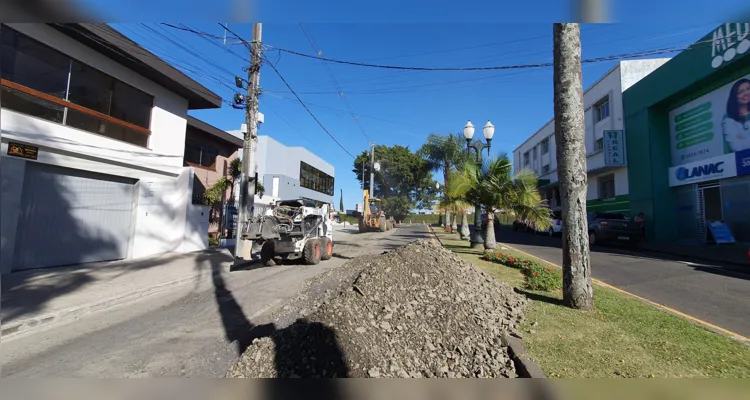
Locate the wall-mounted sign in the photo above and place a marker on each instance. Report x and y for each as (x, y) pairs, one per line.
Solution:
(729, 40)
(712, 124)
(614, 148)
(23, 150)
(724, 166)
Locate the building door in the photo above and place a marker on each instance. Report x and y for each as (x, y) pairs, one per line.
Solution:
(709, 206)
(71, 216)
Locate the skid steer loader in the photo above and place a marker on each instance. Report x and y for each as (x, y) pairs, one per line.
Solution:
(293, 229)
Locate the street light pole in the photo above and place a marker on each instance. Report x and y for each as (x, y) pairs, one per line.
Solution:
(476, 240)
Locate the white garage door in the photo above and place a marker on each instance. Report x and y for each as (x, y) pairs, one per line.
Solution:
(71, 216)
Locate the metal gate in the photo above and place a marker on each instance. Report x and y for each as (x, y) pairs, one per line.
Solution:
(71, 216)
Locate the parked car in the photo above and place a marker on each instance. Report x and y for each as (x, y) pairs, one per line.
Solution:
(613, 227)
(556, 228)
(520, 226)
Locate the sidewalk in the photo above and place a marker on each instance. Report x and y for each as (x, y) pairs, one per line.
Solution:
(39, 297)
(736, 254)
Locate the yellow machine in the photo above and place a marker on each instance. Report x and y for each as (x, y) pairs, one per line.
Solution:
(373, 217)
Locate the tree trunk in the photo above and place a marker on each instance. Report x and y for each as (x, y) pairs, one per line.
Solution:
(489, 235)
(570, 134)
(440, 219)
(447, 221)
(454, 223)
(465, 232)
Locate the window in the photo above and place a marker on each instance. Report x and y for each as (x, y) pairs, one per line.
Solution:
(601, 109)
(607, 187)
(198, 154)
(44, 83)
(315, 179)
(545, 146)
(545, 169)
(599, 144)
(525, 158)
(534, 151)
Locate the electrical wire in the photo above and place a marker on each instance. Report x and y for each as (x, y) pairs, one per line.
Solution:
(624, 56)
(336, 84)
(273, 67)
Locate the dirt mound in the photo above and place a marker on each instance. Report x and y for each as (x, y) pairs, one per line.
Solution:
(419, 311)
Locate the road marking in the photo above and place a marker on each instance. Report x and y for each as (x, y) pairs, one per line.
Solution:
(653, 303)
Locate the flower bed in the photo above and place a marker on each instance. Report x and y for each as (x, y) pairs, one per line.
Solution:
(536, 276)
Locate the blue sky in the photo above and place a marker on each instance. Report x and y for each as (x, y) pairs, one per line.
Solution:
(397, 107)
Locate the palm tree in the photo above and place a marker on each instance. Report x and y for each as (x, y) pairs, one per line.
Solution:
(444, 153)
(492, 187)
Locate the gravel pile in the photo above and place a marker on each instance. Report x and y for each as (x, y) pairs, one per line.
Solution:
(418, 311)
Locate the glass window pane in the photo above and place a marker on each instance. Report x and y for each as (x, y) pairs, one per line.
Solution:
(86, 122)
(131, 105)
(32, 64)
(31, 105)
(90, 88)
(192, 153)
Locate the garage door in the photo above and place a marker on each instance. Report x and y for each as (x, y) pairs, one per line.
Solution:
(70, 216)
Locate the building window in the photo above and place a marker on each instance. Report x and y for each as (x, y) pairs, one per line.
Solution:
(315, 179)
(545, 169)
(38, 80)
(545, 146)
(525, 158)
(599, 144)
(607, 187)
(198, 154)
(601, 109)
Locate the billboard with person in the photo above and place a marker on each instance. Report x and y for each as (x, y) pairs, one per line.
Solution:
(712, 125)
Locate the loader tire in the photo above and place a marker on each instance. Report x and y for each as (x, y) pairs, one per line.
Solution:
(267, 253)
(383, 224)
(327, 248)
(312, 252)
(362, 227)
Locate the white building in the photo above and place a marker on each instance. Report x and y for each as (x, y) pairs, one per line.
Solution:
(607, 176)
(291, 172)
(93, 133)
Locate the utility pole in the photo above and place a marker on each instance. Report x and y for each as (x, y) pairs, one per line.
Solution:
(570, 135)
(372, 168)
(243, 248)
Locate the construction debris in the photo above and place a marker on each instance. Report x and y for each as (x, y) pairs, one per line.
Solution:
(418, 311)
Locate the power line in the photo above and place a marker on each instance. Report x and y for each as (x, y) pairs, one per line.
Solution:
(270, 64)
(336, 84)
(493, 68)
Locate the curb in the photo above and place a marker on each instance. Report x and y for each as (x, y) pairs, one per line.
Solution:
(525, 366)
(29, 325)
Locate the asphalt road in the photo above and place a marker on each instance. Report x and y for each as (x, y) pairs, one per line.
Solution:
(706, 291)
(191, 331)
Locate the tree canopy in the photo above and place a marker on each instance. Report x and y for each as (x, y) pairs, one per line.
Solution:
(403, 182)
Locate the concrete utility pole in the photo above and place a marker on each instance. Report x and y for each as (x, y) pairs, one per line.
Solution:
(372, 169)
(243, 247)
(570, 135)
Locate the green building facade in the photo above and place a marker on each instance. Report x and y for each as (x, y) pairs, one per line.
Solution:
(688, 140)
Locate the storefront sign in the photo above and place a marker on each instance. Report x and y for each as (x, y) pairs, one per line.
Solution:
(742, 158)
(23, 150)
(729, 40)
(703, 128)
(705, 170)
(614, 148)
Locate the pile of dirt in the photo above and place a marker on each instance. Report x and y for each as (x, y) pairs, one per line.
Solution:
(419, 311)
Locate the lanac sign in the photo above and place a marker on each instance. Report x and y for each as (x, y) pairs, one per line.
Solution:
(728, 41)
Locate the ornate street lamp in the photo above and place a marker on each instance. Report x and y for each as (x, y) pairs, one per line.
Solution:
(476, 240)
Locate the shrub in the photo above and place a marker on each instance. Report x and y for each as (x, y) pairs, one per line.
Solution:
(542, 278)
(536, 276)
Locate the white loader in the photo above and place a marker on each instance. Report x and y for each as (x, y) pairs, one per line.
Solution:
(293, 229)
